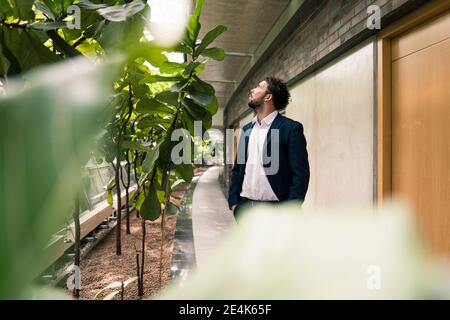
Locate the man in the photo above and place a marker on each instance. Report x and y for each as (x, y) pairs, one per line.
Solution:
(272, 161)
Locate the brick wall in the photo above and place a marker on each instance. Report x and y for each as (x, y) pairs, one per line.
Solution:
(327, 28)
(330, 25)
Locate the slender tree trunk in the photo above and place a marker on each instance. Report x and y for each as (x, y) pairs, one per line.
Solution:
(122, 129)
(141, 288)
(136, 155)
(138, 273)
(76, 218)
(119, 204)
(127, 197)
(166, 203)
(127, 191)
(128, 209)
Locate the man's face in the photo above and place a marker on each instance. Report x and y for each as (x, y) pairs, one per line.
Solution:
(257, 94)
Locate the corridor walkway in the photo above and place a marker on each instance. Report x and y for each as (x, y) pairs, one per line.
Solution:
(211, 217)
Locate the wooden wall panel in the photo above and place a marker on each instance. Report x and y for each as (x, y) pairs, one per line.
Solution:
(421, 129)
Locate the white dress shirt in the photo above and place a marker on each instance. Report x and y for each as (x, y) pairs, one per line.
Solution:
(256, 186)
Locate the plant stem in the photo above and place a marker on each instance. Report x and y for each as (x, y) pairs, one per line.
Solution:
(141, 288)
(136, 155)
(127, 188)
(76, 218)
(119, 201)
(166, 202)
(127, 158)
(127, 192)
(138, 272)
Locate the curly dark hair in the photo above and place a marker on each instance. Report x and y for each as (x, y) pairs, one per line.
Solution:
(279, 91)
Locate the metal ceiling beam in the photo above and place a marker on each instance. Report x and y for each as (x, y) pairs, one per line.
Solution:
(221, 81)
(239, 54)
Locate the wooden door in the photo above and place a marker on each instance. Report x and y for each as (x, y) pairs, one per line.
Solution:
(421, 127)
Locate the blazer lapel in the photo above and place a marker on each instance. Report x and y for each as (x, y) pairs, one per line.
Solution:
(275, 126)
(247, 139)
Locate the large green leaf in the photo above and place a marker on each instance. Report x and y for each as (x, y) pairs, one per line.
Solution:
(168, 97)
(177, 87)
(47, 129)
(185, 171)
(199, 96)
(198, 8)
(136, 145)
(180, 47)
(90, 17)
(23, 9)
(188, 122)
(5, 10)
(57, 7)
(4, 63)
(209, 38)
(152, 106)
(139, 201)
(25, 47)
(135, 77)
(154, 122)
(193, 27)
(122, 12)
(157, 78)
(194, 66)
(151, 208)
(9, 63)
(112, 35)
(213, 106)
(172, 67)
(203, 86)
(41, 6)
(86, 4)
(153, 54)
(124, 34)
(109, 197)
(165, 157)
(215, 53)
(150, 159)
(45, 26)
(196, 111)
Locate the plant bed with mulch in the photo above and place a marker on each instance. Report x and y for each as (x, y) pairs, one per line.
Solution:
(102, 266)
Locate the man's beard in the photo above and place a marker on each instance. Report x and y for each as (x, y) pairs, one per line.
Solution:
(254, 104)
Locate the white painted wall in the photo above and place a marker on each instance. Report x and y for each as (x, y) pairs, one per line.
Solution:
(335, 106)
(242, 122)
(217, 119)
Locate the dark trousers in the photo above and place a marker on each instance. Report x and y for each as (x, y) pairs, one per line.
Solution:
(246, 203)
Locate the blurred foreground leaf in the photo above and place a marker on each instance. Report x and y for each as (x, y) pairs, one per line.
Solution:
(281, 253)
(47, 127)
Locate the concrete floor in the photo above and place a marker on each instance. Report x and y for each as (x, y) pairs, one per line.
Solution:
(211, 218)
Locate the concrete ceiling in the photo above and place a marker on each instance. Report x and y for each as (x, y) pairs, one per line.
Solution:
(248, 23)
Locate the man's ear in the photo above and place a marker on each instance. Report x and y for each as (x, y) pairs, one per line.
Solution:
(268, 97)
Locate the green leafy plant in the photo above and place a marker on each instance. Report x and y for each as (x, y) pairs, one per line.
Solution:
(47, 134)
(152, 97)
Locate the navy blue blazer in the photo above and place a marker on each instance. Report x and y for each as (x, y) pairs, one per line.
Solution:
(291, 180)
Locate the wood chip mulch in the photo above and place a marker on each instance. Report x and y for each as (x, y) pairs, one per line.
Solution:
(102, 266)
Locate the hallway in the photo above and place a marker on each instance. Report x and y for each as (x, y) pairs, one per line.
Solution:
(211, 218)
